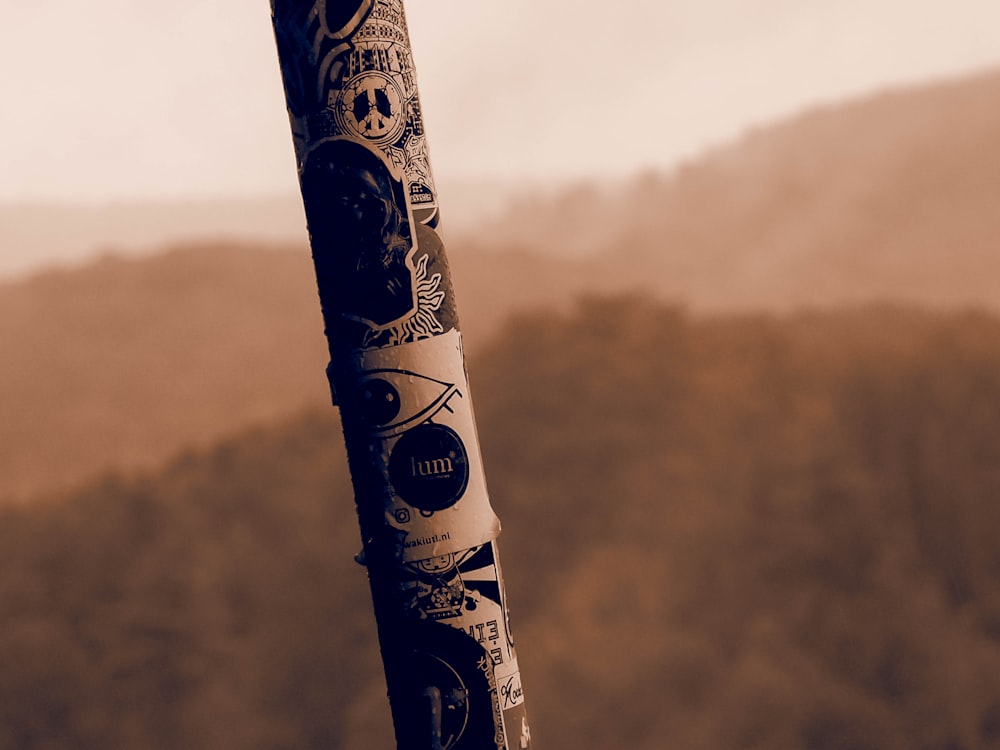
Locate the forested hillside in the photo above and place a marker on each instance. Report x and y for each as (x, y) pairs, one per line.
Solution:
(123, 362)
(732, 532)
(755, 508)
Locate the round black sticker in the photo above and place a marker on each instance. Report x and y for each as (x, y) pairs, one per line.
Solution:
(429, 467)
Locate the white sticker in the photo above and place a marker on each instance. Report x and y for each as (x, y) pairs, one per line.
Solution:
(414, 401)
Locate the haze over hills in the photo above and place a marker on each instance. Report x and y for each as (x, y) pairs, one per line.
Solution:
(910, 172)
(38, 236)
(124, 362)
(892, 196)
(70, 236)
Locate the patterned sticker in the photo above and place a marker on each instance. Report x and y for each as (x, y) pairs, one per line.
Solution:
(412, 402)
(465, 591)
(382, 279)
(358, 82)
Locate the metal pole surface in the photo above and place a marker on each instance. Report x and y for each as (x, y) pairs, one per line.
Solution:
(398, 375)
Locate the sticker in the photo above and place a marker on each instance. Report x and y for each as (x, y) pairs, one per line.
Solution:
(370, 266)
(443, 691)
(410, 404)
(370, 200)
(429, 468)
(464, 591)
(348, 72)
(371, 106)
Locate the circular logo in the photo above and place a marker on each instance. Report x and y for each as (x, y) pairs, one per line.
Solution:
(429, 467)
(371, 106)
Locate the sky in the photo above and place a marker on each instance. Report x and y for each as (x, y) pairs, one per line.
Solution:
(118, 100)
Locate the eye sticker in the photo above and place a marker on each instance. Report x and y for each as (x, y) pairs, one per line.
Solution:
(392, 401)
(410, 404)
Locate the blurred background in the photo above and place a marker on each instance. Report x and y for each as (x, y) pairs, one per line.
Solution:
(730, 292)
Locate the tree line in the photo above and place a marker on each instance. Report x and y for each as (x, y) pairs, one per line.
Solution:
(734, 531)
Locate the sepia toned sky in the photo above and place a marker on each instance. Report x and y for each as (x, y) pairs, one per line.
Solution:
(115, 99)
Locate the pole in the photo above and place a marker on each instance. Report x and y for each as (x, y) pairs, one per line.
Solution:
(397, 372)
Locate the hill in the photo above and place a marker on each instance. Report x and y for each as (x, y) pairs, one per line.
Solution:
(785, 522)
(122, 363)
(36, 236)
(70, 235)
(892, 196)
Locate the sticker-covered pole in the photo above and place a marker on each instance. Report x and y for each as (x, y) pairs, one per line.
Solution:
(398, 375)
